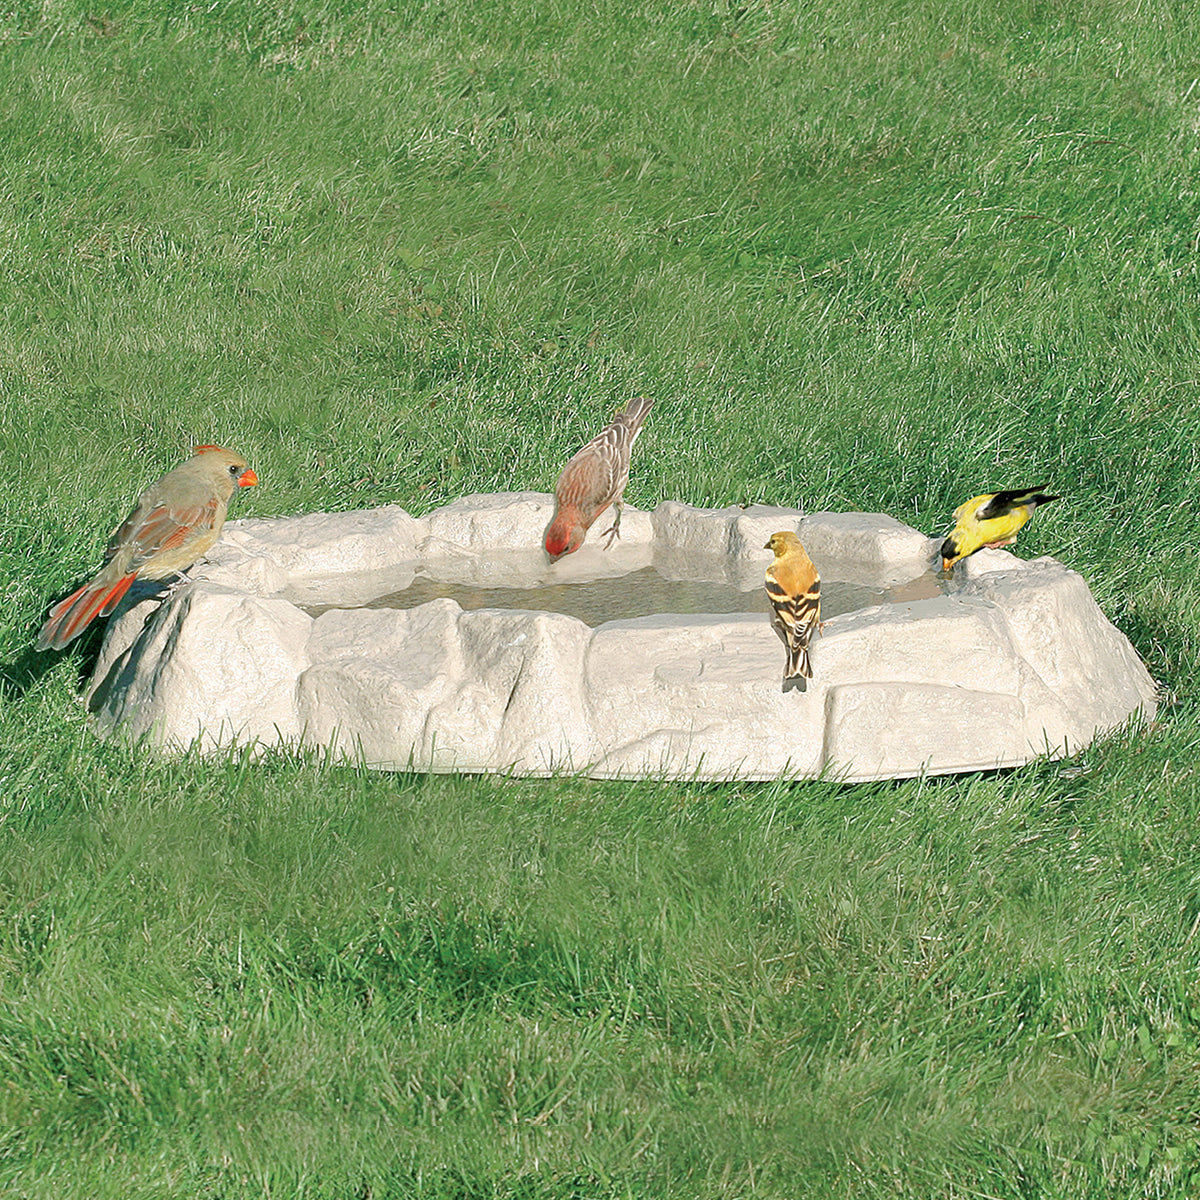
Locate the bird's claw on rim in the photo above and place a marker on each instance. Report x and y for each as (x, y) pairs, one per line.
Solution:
(614, 532)
(181, 578)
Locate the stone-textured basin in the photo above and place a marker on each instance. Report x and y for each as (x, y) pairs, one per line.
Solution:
(1015, 660)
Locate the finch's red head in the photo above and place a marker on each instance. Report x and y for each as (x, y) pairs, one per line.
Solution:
(563, 537)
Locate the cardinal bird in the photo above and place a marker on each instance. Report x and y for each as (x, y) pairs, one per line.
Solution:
(991, 520)
(177, 520)
(595, 478)
(794, 590)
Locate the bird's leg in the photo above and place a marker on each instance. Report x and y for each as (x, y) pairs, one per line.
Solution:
(181, 577)
(998, 545)
(614, 531)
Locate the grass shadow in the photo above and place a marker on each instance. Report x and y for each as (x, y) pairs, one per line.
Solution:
(23, 672)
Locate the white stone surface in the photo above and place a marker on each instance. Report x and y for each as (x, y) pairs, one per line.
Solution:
(1016, 660)
(872, 541)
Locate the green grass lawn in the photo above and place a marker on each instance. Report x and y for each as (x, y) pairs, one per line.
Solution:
(875, 256)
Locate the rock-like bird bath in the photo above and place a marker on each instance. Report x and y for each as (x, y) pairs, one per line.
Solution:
(435, 644)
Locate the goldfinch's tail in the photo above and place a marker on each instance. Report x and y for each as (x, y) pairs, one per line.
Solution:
(799, 665)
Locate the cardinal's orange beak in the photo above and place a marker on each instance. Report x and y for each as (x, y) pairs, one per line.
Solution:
(247, 478)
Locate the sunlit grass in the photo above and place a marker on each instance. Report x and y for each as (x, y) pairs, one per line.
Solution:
(863, 256)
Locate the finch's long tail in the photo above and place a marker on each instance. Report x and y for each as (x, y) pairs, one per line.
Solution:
(635, 413)
(72, 615)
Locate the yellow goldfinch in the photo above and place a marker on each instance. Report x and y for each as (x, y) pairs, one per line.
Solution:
(795, 593)
(992, 520)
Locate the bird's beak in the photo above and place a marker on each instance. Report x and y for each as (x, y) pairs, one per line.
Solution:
(247, 478)
(946, 564)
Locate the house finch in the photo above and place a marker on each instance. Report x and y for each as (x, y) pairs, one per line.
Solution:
(595, 478)
(177, 520)
(795, 593)
(990, 520)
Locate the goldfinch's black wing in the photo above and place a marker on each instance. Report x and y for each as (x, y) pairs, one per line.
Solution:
(1004, 502)
(798, 613)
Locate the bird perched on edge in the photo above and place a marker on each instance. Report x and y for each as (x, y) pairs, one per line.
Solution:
(992, 520)
(594, 478)
(176, 521)
(794, 589)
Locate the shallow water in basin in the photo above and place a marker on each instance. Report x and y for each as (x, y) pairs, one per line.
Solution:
(643, 593)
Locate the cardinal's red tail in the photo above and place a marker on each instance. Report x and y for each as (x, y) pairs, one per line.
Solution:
(71, 616)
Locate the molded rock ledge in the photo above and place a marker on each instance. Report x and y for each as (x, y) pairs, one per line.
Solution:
(1016, 661)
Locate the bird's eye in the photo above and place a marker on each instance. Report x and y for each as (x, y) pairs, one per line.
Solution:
(233, 470)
